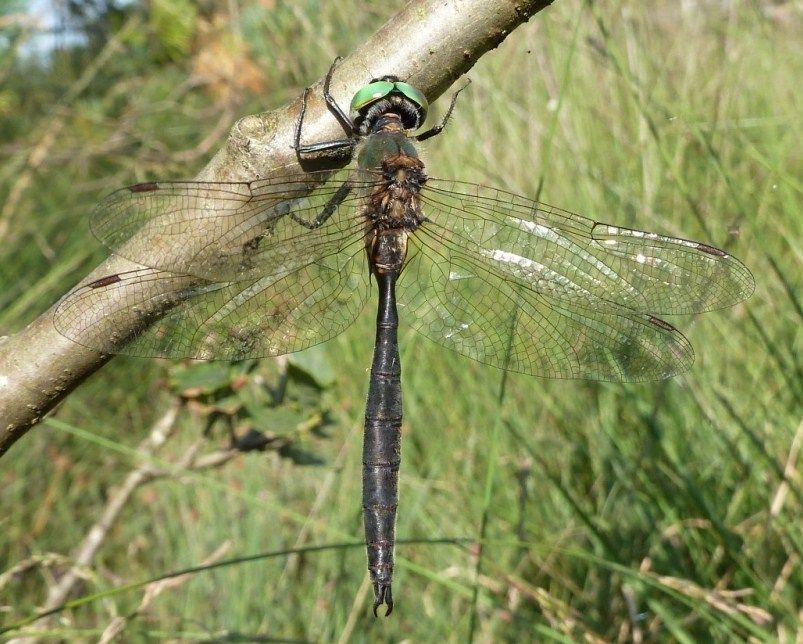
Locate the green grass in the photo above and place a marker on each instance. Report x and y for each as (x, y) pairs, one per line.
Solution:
(669, 509)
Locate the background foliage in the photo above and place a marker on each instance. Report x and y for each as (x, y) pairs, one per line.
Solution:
(606, 512)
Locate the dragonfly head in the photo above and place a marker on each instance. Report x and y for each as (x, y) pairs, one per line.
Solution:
(387, 96)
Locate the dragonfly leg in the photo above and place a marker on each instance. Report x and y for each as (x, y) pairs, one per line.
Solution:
(303, 148)
(436, 129)
(330, 207)
(340, 115)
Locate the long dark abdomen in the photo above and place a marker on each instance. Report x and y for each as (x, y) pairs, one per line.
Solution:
(382, 444)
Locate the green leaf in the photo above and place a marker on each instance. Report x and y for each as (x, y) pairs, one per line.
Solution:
(314, 363)
(204, 376)
(173, 25)
(278, 420)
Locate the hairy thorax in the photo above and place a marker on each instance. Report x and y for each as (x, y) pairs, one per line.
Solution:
(393, 210)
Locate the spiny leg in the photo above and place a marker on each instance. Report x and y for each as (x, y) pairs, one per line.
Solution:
(341, 117)
(342, 192)
(436, 129)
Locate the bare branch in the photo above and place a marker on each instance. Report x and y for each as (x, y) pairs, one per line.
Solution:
(191, 460)
(96, 535)
(116, 627)
(431, 43)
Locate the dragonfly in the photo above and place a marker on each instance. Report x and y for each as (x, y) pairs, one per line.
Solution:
(276, 265)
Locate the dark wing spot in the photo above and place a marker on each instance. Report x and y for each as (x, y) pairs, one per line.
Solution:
(105, 281)
(149, 186)
(705, 248)
(661, 323)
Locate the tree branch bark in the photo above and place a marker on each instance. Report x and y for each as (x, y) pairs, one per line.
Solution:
(430, 43)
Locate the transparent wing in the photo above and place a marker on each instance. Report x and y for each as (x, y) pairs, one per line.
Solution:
(236, 270)
(534, 289)
(470, 307)
(272, 266)
(153, 313)
(569, 257)
(227, 231)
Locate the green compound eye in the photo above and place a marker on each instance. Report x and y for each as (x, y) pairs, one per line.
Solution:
(370, 94)
(415, 95)
(377, 90)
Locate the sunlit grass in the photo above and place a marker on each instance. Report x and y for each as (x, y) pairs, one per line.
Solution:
(614, 508)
